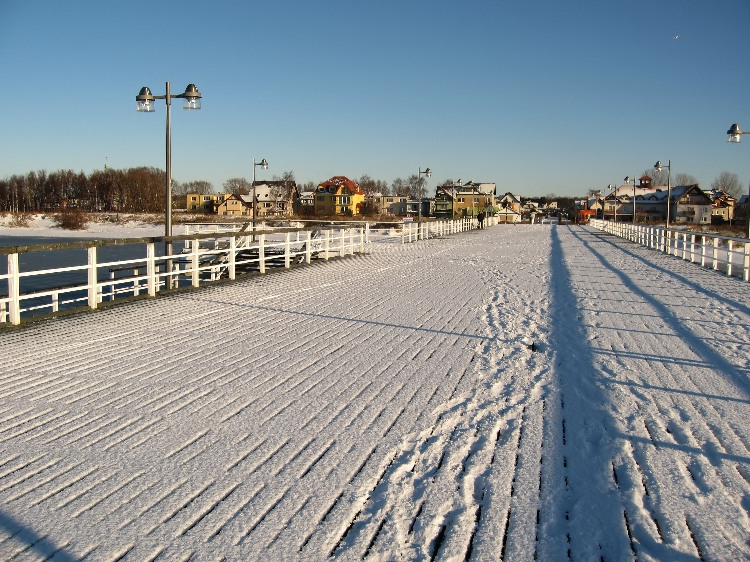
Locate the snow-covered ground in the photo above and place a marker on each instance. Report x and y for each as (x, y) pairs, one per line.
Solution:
(515, 392)
(46, 226)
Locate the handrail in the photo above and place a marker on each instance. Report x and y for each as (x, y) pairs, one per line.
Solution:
(205, 258)
(727, 254)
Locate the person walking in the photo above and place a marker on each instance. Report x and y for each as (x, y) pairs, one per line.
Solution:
(480, 218)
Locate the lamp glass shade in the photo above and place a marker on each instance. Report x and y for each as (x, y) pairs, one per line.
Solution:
(191, 103)
(144, 101)
(737, 137)
(192, 97)
(264, 164)
(145, 106)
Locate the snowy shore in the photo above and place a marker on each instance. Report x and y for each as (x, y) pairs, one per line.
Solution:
(46, 226)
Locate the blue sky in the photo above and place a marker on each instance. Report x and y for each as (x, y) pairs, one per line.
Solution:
(539, 97)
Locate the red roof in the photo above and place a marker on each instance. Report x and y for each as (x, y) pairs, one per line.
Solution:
(339, 180)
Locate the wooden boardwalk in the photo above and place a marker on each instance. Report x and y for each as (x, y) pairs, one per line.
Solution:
(390, 406)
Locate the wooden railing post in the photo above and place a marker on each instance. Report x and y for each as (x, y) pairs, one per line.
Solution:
(288, 250)
(195, 264)
(92, 278)
(262, 253)
(14, 290)
(232, 257)
(151, 281)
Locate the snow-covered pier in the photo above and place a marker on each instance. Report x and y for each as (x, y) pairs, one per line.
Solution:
(517, 392)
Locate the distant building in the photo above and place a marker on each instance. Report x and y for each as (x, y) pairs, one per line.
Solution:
(204, 202)
(388, 204)
(276, 198)
(236, 206)
(339, 196)
(508, 209)
(687, 203)
(456, 199)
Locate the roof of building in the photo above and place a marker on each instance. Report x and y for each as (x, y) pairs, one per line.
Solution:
(337, 181)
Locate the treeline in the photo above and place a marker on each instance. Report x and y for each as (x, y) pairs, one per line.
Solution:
(129, 191)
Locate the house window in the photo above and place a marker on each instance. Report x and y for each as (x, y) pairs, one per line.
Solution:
(345, 200)
(460, 200)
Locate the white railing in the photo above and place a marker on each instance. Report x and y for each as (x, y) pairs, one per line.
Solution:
(722, 253)
(205, 255)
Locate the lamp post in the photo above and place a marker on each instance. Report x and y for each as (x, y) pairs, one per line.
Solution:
(627, 180)
(614, 192)
(735, 136)
(427, 173)
(264, 166)
(145, 104)
(658, 167)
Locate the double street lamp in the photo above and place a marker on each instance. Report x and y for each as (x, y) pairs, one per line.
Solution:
(427, 173)
(145, 104)
(263, 166)
(658, 167)
(735, 136)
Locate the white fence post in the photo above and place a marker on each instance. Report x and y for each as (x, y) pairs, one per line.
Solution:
(729, 258)
(14, 290)
(288, 250)
(692, 248)
(716, 254)
(262, 253)
(151, 269)
(308, 246)
(746, 271)
(93, 297)
(232, 257)
(195, 263)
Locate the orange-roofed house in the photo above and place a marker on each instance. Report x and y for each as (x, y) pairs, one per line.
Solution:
(339, 196)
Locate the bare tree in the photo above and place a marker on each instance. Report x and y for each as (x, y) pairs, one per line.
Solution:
(685, 179)
(400, 187)
(200, 186)
(658, 177)
(237, 186)
(729, 183)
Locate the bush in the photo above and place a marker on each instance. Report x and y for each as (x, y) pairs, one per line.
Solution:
(20, 220)
(72, 220)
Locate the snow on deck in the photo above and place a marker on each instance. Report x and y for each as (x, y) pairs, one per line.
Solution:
(514, 392)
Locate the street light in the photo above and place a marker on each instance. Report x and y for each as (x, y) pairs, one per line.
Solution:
(614, 191)
(145, 104)
(627, 180)
(263, 166)
(427, 173)
(735, 136)
(658, 167)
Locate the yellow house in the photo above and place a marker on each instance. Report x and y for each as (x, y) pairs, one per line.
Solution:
(204, 202)
(236, 205)
(339, 196)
